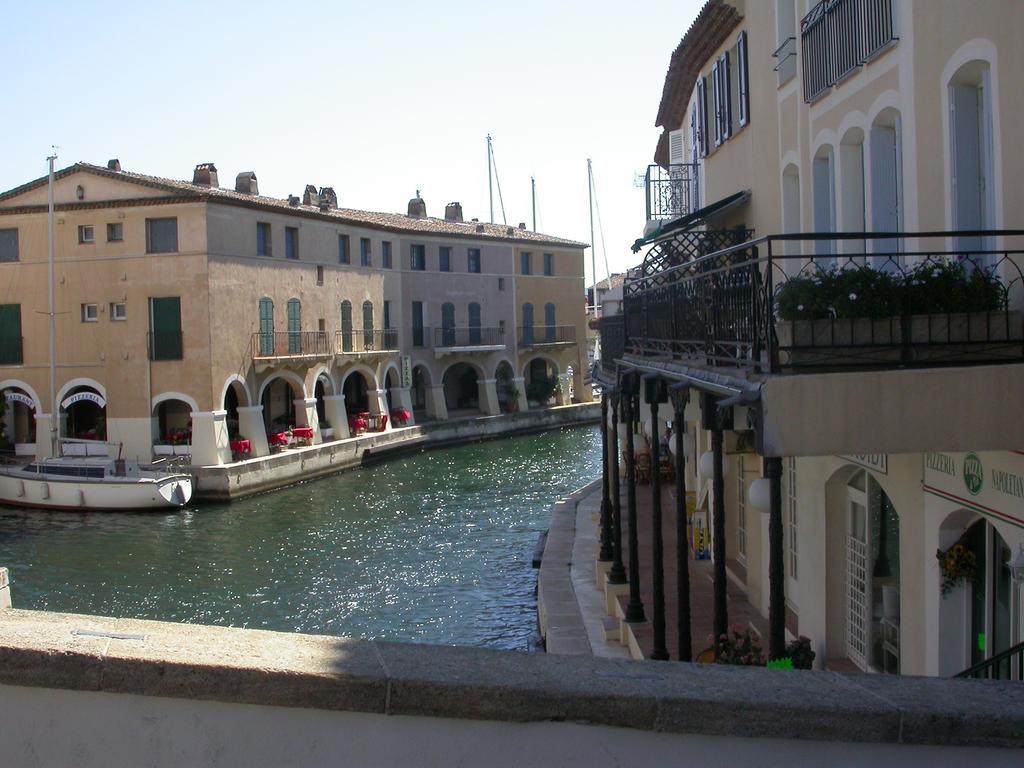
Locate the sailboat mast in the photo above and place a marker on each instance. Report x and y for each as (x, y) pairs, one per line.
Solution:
(490, 182)
(54, 414)
(593, 255)
(533, 201)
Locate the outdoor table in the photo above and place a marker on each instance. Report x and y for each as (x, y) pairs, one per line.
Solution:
(303, 433)
(400, 417)
(278, 439)
(241, 448)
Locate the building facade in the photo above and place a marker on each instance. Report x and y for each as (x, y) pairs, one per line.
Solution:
(192, 313)
(831, 271)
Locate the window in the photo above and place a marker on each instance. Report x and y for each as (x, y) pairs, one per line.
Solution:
(344, 256)
(447, 324)
(319, 274)
(721, 77)
(473, 260)
(418, 257)
(263, 243)
(474, 323)
(702, 116)
(549, 323)
(266, 327)
(743, 76)
(165, 342)
(115, 232)
(346, 326)
(387, 314)
(417, 324)
(161, 235)
(291, 242)
(524, 263)
(86, 234)
(10, 332)
(365, 254)
(385, 254)
(549, 264)
(444, 257)
(501, 283)
(528, 324)
(8, 245)
(90, 313)
(294, 307)
(368, 325)
(118, 311)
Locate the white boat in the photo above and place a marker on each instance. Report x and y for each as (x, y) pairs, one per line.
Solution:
(81, 482)
(92, 485)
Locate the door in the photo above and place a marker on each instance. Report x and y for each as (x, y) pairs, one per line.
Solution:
(527, 325)
(886, 192)
(417, 323)
(368, 325)
(971, 155)
(474, 323)
(447, 324)
(165, 328)
(346, 326)
(549, 323)
(858, 588)
(266, 327)
(294, 327)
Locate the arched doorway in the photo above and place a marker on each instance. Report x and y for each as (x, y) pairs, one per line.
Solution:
(863, 574)
(504, 382)
(390, 381)
(83, 414)
(321, 389)
(418, 393)
(541, 380)
(172, 428)
(278, 401)
(356, 390)
(235, 396)
(461, 392)
(975, 615)
(18, 428)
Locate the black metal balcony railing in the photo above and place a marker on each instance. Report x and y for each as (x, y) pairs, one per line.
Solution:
(832, 302)
(538, 335)
(671, 192)
(613, 341)
(165, 345)
(291, 344)
(469, 337)
(11, 350)
(1007, 665)
(355, 342)
(838, 36)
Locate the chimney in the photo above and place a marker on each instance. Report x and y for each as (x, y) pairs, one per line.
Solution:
(453, 212)
(417, 208)
(328, 198)
(479, 227)
(522, 225)
(114, 164)
(293, 201)
(310, 196)
(205, 175)
(245, 182)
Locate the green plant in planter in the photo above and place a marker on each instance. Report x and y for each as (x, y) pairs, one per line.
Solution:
(863, 292)
(800, 653)
(739, 646)
(543, 388)
(802, 298)
(947, 286)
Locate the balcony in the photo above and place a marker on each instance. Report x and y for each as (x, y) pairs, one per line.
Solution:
(449, 341)
(275, 346)
(546, 335)
(838, 37)
(11, 350)
(369, 342)
(671, 192)
(165, 345)
(931, 322)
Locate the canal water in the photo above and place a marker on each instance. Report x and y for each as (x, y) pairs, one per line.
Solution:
(433, 547)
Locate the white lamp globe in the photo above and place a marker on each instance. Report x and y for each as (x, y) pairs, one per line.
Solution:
(759, 495)
(706, 466)
(673, 443)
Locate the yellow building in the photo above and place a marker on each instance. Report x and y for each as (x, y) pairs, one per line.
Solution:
(190, 315)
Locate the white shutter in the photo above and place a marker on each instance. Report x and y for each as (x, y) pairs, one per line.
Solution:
(885, 186)
(741, 53)
(676, 149)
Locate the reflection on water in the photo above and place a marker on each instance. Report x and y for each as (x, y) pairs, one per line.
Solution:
(433, 547)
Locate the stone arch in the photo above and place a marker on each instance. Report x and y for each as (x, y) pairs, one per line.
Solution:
(461, 380)
(165, 396)
(356, 383)
(290, 376)
(233, 396)
(314, 374)
(552, 363)
(171, 418)
(279, 403)
(19, 419)
(422, 379)
(239, 385)
(81, 382)
(505, 385)
(386, 367)
(87, 419)
(862, 545)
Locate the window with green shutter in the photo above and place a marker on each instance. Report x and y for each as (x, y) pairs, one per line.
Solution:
(165, 338)
(266, 327)
(294, 327)
(10, 334)
(8, 245)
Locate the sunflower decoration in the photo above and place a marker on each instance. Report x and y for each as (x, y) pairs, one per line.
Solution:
(957, 564)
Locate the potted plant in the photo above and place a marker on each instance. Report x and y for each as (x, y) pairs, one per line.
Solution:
(957, 565)
(738, 646)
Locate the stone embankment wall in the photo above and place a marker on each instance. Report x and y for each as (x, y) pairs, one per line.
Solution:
(234, 481)
(94, 691)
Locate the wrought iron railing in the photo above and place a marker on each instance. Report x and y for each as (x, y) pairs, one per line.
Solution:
(356, 342)
(613, 341)
(291, 344)
(10, 350)
(671, 191)
(538, 335)
(469, 337)
(838, 36)
(1007, 665)
(836, 301)
(165, 345)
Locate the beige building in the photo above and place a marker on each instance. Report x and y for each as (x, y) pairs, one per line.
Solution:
(830, 253)
(190, 315)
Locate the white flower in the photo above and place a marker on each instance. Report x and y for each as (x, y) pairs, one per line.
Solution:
(853, 297)
(800, 308)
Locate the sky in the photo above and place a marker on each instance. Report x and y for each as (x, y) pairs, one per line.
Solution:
(374, 99)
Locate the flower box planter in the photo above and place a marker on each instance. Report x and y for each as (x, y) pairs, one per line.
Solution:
(965, 336)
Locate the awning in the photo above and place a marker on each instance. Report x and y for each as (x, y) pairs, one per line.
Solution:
(691, 220)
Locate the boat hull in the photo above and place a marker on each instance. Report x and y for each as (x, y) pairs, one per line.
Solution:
(54, 493)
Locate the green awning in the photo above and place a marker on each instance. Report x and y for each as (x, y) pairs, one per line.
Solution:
(691, 220)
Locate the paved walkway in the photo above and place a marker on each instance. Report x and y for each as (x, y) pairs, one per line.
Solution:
(593, 618)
